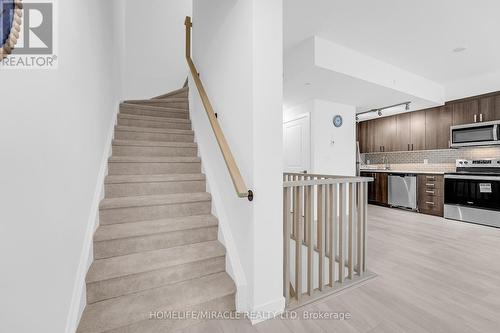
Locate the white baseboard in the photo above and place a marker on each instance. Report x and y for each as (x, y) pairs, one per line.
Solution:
(79, 296)
(267, 311)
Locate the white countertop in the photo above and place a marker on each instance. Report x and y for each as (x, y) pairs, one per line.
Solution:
(425, 172)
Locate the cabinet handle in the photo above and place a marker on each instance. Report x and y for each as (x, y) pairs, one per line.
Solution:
(475, 118)
(431, 177)
(481, 117)
(430, 184)
(429, 203)
(430, 192)
(412, 146)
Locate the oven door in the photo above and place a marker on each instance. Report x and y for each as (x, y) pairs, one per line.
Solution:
(475, 191)
(474, 135)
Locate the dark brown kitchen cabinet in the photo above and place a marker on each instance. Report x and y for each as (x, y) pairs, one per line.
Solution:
(386, 134)
(410, 131)
(403, 128)
(437, 127)
(489, 108)
(430, 190)
(362, 137)
(377, 190)
(417, 130)
(465, 112)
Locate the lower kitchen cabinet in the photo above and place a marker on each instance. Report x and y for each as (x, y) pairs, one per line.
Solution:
(377, 190)
(430, 190)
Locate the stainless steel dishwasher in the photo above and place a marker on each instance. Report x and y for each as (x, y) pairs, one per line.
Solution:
(403, 191)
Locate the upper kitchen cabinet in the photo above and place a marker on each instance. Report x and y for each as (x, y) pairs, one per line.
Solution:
(403, 128)
(465, 112)
(489, 108)
(377, 135)
(417, 130)
(363, 137)
(437, 127)
(386, 134)
(410, 131)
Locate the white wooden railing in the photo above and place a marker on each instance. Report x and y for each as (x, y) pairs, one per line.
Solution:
(324, 228)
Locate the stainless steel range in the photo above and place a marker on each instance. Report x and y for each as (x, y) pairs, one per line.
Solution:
(472, 193)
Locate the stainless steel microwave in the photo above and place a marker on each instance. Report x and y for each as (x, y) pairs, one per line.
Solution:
(476, 134)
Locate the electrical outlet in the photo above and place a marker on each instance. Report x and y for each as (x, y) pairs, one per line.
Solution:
(426, 161)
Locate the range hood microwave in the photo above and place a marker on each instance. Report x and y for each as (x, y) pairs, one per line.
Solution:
(476, 134)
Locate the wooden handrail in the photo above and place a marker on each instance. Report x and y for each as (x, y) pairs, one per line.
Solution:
(234, 171)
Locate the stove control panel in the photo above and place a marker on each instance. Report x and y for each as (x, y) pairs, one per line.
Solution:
(484, 163)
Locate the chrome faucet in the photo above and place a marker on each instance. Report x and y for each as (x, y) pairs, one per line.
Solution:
(385, 161)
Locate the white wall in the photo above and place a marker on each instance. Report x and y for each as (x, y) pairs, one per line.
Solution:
(154, 55)
(473, 86)
(54, 126)
(338, 158)
(237, 49)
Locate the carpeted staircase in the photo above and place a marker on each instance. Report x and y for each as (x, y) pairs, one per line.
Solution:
(156, 248)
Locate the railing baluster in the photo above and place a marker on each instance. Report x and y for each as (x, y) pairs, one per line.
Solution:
(360, 215)
(332, 222)
(286, 244)
(321, 246)
(350, 251)
(309, 217)
(341, 232)
(365, 213)
(298, 242)
(306, 236)
(327, 219)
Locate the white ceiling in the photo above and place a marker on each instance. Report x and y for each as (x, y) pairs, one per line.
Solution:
(417, 36)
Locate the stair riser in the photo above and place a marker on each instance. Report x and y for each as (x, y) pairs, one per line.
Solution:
(134, 214)
(153, 124)
(101, 290)
(144, 136)
(136, 110)
(120, 247)
(154, 151)
(226, 303)
(140, 189)
(124, 168)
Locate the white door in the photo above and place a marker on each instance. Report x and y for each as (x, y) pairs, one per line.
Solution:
(297, 144)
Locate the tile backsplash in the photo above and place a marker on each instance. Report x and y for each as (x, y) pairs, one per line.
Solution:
(443, 156)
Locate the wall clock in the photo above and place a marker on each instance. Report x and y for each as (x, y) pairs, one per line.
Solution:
(338, 121)
(10, 20)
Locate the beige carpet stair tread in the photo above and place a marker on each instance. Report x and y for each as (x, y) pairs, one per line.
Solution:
(153, 108)
(153, 130)
(138, 143)
(156, 100)
(154, 159)
(152, 118)
(154, 200)
(110, 268)
(142, 228)
(126, 310)
(123, 179)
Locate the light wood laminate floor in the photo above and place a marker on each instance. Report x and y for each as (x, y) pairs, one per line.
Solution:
(434, 275)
